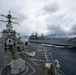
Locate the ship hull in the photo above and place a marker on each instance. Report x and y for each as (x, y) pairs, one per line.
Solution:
(55, 42)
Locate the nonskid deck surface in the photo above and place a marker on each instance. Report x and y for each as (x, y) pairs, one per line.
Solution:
(34, 65)
(32, 68)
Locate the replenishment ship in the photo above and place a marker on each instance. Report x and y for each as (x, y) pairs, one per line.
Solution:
(58, 41)
(21, 58)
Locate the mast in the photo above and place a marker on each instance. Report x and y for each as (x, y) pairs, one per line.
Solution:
(9, 21)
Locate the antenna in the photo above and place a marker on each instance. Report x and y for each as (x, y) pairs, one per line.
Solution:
(9, 11)
(15, 22)
(3, 15)
(3, 21)
(9, 17)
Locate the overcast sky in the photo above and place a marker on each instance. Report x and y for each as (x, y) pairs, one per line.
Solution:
(42, 16)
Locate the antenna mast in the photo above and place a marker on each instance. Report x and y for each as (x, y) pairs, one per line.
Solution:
(9, 22)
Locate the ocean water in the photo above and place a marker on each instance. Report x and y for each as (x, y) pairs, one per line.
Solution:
(66, 58)
(24, 39)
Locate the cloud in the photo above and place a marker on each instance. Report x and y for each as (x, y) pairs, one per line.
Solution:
(42, 16)
(51, 7)
(57, 21)
(48, 8)
(55, 24)
(61, 24)
(55, 29)
(73, 27)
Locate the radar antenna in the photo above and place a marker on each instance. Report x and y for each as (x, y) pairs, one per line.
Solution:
(9, 17)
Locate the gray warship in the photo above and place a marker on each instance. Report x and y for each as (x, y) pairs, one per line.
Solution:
(23, 58)
(58, 41)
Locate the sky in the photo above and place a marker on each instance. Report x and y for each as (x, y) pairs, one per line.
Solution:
(41, 16)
